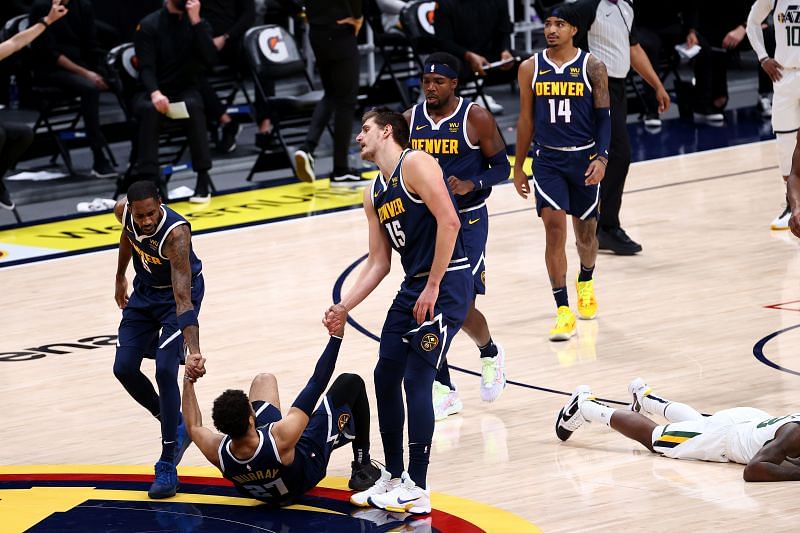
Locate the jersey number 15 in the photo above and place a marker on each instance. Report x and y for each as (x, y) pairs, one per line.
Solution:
(560, 109)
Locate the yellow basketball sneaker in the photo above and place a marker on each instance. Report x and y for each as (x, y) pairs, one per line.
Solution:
(587, 303)
(565, 325)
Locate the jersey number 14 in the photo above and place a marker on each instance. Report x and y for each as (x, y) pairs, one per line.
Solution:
(561, 109)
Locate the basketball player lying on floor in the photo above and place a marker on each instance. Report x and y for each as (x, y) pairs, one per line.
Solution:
(769, 446)
(276, 459)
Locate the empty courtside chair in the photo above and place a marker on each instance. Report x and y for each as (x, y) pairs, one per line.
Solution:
(124, 78)
(272, 53)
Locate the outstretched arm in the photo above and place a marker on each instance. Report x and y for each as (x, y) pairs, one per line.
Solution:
(377, 265)
(768, 463)
(288, 430)
(206, 440)
(176, 248)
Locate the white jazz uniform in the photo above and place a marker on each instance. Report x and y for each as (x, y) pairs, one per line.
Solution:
(786, 101)
(732, 435)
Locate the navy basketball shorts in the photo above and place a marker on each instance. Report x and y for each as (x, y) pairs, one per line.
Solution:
(266, 413)
(329, 427)
(474, 232)
(431, 339)
(560, 182)
(150, 310)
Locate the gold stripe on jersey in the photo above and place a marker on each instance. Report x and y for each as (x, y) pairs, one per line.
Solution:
(558, 88)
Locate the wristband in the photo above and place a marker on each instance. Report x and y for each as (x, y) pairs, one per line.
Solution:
(187, 318)
(43, 21)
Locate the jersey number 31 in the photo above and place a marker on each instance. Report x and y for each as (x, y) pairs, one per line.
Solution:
(559, 110)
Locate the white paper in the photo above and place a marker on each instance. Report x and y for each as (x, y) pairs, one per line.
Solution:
(687, 53)
(177, 111)
(499, 63)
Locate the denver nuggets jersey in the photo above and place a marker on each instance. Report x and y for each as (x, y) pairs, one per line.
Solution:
(448, 142)
(151, 267)
(262, 476)
(409, 224)
(563, 104)
(747, 438)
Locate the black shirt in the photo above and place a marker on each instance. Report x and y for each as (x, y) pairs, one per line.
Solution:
(172, 53)
(480, 26)
(233, 17)
(327, 12)
(73, 36)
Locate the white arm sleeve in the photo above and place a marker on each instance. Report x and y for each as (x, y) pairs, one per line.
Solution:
(758, 13)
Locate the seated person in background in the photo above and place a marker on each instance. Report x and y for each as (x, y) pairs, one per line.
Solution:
(659, 28)
(174, 47)
(275, 458)
(478, 32)
(768, 445)
(15, 138)
(229, 20)
(719, 27)
(67, 57)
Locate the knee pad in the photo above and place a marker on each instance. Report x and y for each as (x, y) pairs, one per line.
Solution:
(786, 144)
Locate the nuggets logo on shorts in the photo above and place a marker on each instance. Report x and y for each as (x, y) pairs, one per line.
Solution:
(344, 418)
(483, 277)
(429, 342)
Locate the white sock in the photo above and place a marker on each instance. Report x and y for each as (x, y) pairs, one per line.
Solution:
(672, 411)
(594, 411)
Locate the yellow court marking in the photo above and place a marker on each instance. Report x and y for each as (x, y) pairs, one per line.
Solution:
(22, 508)
(225, 211)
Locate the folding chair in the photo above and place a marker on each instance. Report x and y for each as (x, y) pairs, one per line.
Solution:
(172, 140)
(59, 114)
(401, 66)
(272, 53)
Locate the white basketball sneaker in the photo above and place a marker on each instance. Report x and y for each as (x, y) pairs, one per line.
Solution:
(638, 389)
(570, 418)
(781, 222)
(384, 484)
(407, 497)
(493, 375)
(445, 401)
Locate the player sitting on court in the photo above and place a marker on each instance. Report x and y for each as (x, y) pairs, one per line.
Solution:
(277, 459)
(743, 435)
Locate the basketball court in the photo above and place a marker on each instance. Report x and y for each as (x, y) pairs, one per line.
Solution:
(707, 314)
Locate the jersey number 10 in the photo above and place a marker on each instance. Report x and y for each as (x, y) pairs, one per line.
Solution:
(792, 35)
(563, 110)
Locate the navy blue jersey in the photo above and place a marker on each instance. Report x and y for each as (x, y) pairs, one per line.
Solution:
(262, 476)
(563, 103)
(409, 224)
(448, 142)
(151, 267)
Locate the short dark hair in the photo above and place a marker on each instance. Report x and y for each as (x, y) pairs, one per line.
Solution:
(445, 59)
(231, 413)
(383, 116)
(142, 190)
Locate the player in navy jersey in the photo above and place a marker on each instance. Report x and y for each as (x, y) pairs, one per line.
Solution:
(276, 459)
(158, 318)
(464, 139)
(564, 109)
(408, 208)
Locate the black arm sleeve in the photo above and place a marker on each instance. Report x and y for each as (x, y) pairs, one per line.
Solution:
(145, 46)
(311, 393)
(247, 17)
(204, 43)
